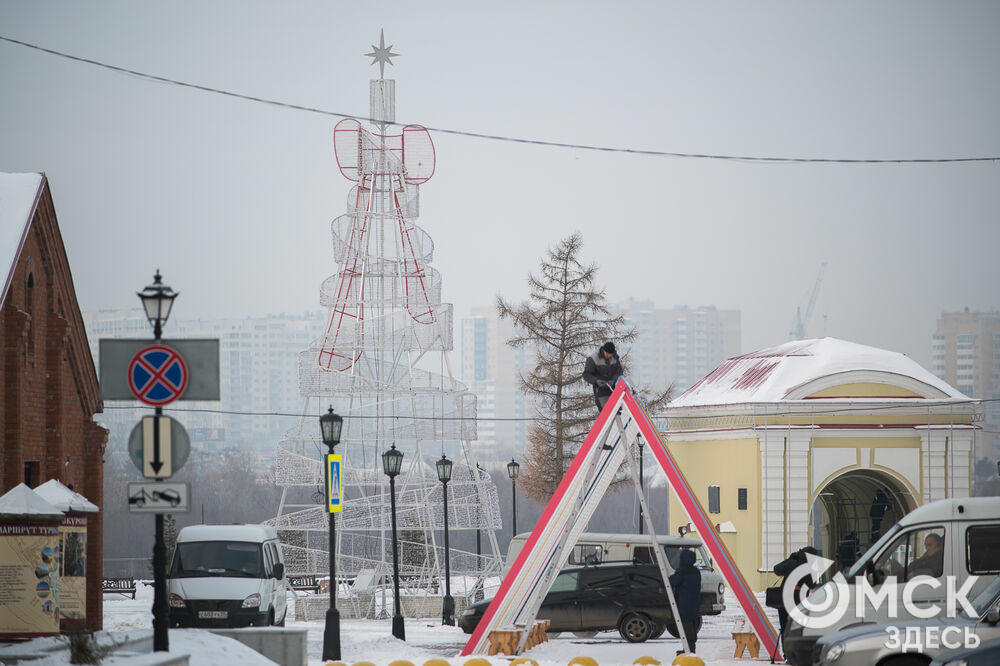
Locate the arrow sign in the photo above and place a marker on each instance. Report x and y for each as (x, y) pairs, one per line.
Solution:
(156, 448)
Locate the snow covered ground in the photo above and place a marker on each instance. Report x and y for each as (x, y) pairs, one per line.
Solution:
(371, 640)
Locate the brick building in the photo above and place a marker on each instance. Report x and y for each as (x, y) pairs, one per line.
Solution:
(50, 387)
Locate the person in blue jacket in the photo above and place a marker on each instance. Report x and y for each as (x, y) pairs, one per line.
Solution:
(686, 583)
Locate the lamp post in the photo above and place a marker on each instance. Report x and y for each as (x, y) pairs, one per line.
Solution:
(448, 603)
(157, 300)
(330, 425)
(392, 461)
(513, 469)
(641, 444)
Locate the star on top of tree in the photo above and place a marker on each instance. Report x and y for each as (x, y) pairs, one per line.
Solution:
(381, 54)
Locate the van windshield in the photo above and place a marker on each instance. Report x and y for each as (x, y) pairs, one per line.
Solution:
(217, 558)
(859, 567)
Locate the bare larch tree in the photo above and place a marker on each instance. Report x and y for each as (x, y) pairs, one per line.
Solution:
(565, 319)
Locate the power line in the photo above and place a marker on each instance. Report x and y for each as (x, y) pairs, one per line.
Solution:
(500, 137)
(492, 419)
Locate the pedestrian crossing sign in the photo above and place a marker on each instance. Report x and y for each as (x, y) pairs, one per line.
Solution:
(334, 482)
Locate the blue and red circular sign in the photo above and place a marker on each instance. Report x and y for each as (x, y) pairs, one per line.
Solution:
(157, 375)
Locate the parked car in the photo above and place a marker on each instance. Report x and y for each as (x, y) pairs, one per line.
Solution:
(969, 530)
(888, 643)
(629, 597)
(598, 547)
(986, 654)
(227, 576)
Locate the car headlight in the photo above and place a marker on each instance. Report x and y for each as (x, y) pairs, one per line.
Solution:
(834, 652)
(175, 601)
(253, 601)
(957, 662)
(722, 589)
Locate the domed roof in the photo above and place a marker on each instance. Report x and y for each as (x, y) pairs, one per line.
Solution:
(798, 369)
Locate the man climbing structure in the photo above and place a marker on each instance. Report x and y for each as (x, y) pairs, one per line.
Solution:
(602, 371)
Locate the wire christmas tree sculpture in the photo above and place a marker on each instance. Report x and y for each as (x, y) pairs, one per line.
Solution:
(382, 363)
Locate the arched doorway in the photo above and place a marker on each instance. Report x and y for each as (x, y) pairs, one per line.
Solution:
(853, 510)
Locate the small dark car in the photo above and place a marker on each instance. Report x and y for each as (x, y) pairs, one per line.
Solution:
(628, 597)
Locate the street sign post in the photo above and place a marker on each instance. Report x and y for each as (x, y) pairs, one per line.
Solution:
(158, 497)
(335, 474)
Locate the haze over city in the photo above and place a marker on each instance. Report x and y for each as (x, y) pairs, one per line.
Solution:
(231, 199)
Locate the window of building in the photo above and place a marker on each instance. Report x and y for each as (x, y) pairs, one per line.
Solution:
(741, 499)
(32, 473)
(713, 500)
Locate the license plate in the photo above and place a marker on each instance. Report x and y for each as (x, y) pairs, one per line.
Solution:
(213, 615)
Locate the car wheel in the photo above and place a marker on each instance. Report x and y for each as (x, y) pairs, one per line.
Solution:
(635, 628)
(672, 628)
(658, 630)
(585, 634)
(906, 660)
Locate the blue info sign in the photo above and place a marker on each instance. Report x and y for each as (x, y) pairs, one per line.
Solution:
(334, 482)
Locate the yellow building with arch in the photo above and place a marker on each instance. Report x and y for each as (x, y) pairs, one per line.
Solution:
(818, 442)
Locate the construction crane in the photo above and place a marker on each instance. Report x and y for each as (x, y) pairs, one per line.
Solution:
(799, 323)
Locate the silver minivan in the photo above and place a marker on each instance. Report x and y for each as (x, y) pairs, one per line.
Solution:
(949, 538)
(227, 576)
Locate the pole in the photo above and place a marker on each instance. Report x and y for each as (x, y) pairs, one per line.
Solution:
(513, 508)
(161, 611)
(398, 630)
(331, 632)
(448, 604)
(641, 456)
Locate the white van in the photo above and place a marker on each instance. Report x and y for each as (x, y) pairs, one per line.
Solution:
(603, 548)
(227, 576)
(967, 530)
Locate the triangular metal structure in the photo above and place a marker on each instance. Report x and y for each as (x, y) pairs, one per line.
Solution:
(609, 443)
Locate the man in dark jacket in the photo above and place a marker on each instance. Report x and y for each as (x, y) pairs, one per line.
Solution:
(686, 583)
(801, 585)
(602, 371)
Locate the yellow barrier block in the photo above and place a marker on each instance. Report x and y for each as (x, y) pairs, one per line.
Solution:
(399, 662)
(363, 663)
(583, 661)
(688, 660)
(334, 663)
(436, 662)
(646, 661)
(524, 660)
(478, 661)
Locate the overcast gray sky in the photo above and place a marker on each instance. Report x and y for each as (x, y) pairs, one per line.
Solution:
(232, 199)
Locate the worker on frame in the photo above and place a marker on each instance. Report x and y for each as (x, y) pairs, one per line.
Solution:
(602, 371)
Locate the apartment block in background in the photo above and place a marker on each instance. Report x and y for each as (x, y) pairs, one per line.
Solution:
(965, 352)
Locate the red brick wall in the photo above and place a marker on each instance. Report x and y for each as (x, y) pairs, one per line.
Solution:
(50, 385)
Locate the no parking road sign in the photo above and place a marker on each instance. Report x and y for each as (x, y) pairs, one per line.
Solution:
(157, 375)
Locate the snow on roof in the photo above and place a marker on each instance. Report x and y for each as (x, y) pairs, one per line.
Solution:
(64, 498)
(18, 192)
(23, 501)
(770, 375)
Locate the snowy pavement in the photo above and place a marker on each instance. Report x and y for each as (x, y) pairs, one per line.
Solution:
(371, 640)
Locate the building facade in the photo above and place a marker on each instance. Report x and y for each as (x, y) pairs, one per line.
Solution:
(680, 344)
(818, 442)
(50, 387)
(965, 352)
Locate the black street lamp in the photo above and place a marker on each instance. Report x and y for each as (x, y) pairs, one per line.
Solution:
(157, 299)
(330, 425)
(392, 462)
(641, 444)
(448, 604)
(513, 469)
